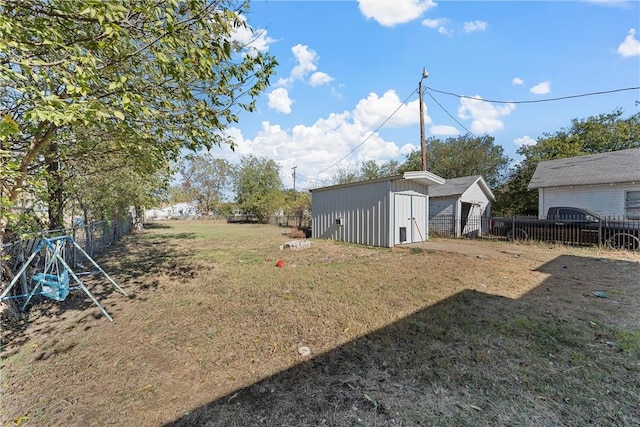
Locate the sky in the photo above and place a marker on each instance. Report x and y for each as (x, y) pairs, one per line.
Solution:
(346, 87)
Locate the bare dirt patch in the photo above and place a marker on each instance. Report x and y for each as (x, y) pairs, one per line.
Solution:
(456, 333)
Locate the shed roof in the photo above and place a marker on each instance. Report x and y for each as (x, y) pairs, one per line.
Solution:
(457, 186)
(606, 168)
(422, 177)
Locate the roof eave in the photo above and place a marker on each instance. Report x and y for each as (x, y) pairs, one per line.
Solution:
(425, 178)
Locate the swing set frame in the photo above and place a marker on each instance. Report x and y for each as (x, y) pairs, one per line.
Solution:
(53, 247)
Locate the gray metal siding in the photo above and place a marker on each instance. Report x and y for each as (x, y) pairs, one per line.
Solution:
(408, 187)
(364, 209)
(442, 206)
(601, 199)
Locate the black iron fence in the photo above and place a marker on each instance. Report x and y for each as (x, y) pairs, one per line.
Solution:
(470, 227)
(611, 231)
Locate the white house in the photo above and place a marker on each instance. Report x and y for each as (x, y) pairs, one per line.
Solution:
(607, 183)
(459, 206)
(380, 212)
(179, 210)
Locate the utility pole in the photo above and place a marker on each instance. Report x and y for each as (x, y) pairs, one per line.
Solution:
(294, 178)
(423, 147)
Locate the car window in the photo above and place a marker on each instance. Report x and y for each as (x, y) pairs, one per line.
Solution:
(571, 214)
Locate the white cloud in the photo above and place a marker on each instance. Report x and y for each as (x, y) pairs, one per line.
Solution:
(391, 13)
(470, 27)
(630, 46)
(443, 130)
(319, 78)
(279, 100)
(524, 140)
(517, 81)
(317, 146)
(373, 111)
(440, 24)
(541, 88)
(306, 58)
(306, 62)
(254, 40)
(484, 115)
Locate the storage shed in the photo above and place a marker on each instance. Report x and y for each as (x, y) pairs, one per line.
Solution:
(461, 206)
(380, 212)
(606, 183)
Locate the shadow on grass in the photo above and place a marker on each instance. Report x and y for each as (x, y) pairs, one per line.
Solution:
(126, 263)
(547, 358)
(180, 236)
(154, 225)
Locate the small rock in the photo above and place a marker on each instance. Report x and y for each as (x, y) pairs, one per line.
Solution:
(600, 294)
(304, 351)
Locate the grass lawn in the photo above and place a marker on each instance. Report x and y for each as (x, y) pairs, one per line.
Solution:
(504, 334)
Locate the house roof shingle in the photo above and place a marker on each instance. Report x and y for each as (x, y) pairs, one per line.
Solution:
(605, 168)
(457, 186)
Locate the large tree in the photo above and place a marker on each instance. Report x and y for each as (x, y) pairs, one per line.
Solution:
(258, 187)
(206, 179)
(298, 204)
(593, 135)
(162, 75)
(369, 169)
(462, 156)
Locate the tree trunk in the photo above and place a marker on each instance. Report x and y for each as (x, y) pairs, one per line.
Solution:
(55, 187)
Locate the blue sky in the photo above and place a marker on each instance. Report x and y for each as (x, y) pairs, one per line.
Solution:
(347, 66)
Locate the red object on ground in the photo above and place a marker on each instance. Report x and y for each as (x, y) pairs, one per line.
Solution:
(280, 263)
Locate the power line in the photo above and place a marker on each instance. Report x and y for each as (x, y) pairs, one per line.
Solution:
(310, 181)
(535, 100)
(468, 97)
(370, 135)
(445, 110)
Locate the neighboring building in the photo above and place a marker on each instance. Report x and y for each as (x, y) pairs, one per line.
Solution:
(607, 183)
(179, 210)
(458, 207)
(380, 212)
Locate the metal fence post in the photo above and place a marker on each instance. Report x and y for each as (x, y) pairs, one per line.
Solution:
(600, 233)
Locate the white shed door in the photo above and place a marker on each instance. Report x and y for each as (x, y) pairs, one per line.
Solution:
(410, 218)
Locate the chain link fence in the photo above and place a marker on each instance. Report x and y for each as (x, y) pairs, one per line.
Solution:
(92, 238)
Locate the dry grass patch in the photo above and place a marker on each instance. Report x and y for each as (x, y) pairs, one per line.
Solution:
(398, 337)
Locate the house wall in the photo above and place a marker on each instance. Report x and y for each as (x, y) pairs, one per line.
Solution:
(442, 206)
(601, 199)
(476, 196)
(365, 211)
(441, 212)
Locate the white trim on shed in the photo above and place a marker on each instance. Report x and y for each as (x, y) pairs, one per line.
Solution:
(380, 212)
